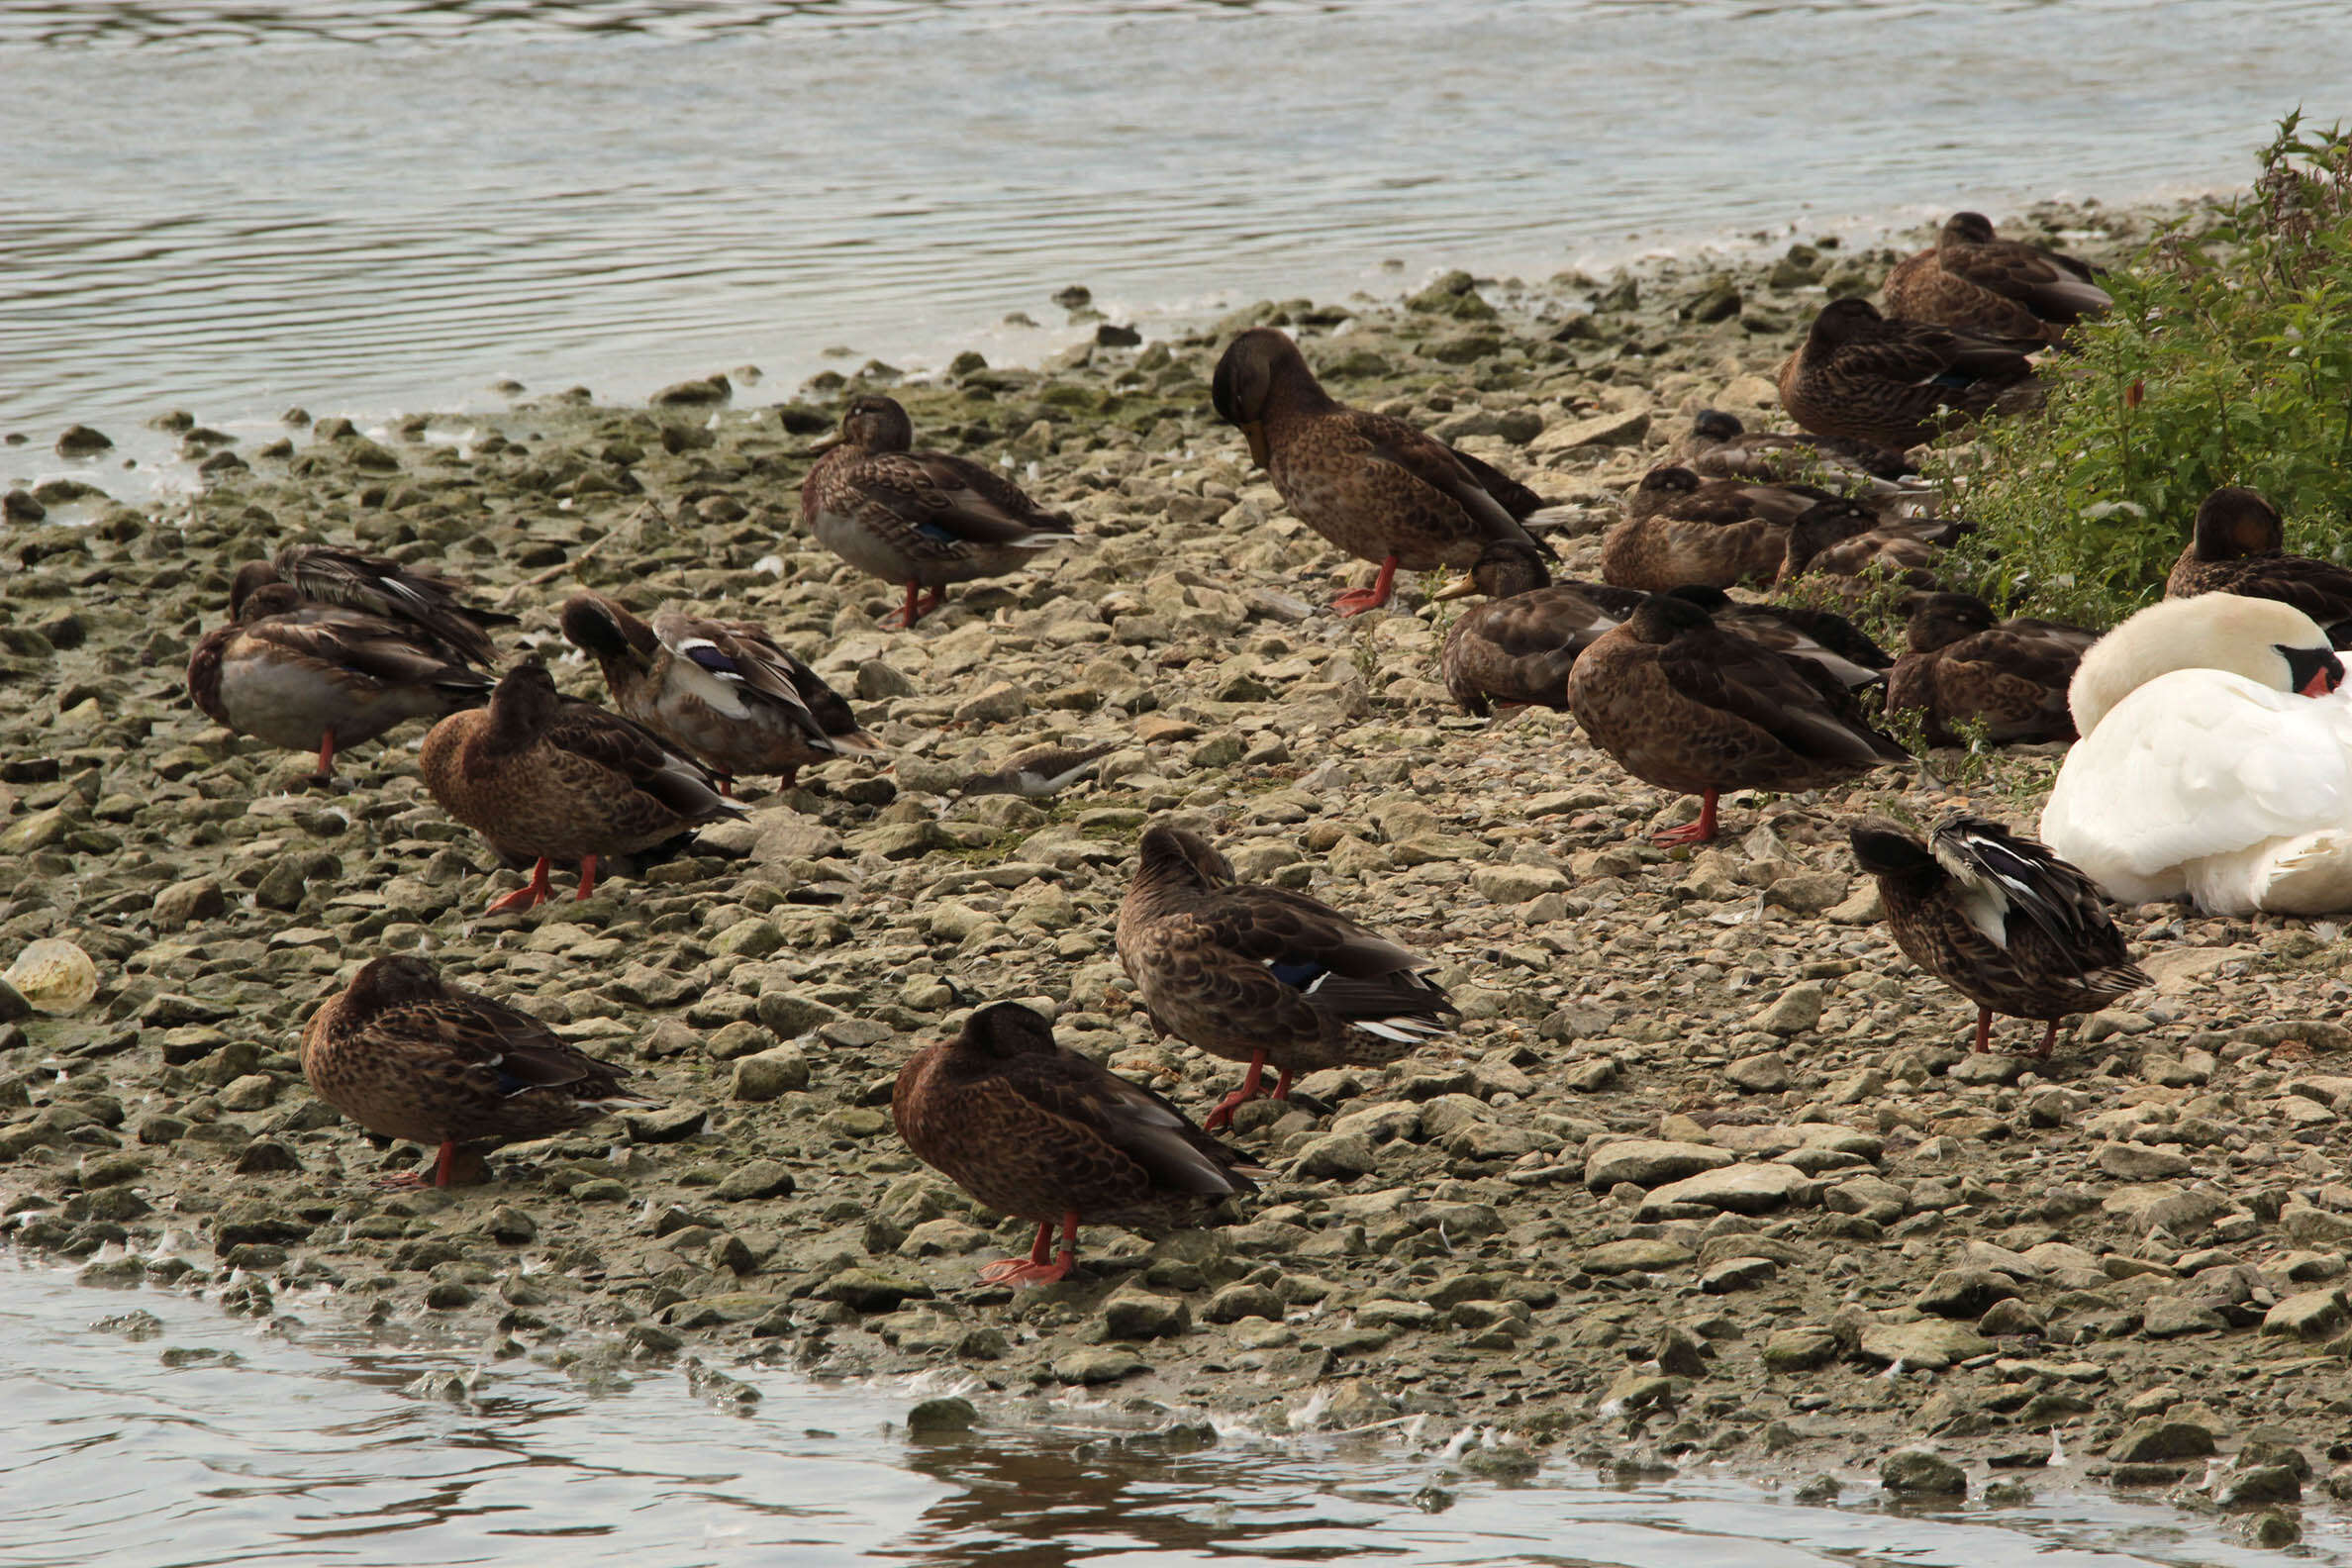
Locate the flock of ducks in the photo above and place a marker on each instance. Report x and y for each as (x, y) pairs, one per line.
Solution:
(1681, 683)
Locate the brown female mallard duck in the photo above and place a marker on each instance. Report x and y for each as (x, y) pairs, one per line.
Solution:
(1042, 1134)
(1997, 288)
(724, 692)
(426, 600)
(1966, 667)
(1845, 539)
(1718, 446)
(1681, 703)
(407, 1056)
(538, 774)
(2239, 547)
(2000, 918)
(1372, 486)
(1518, 647)
(1894, 383)
(924, 518)
(1266, 976)
(1680, 528)
(316, 677)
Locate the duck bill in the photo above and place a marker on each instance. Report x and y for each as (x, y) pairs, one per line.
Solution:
(1459, 588)
(819, 448)
(1255, 433)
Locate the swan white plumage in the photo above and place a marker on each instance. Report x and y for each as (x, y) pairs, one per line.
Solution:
(2215, 760)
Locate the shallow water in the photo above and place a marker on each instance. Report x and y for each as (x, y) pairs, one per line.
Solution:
(368, 205)
(307, 1442)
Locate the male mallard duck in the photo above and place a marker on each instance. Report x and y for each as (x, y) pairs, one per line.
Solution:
(1718, 446)
(426, 600)
(1042, 1134)
(1520, 645)
(1372, 486)
(1999, 289)
(924, 518)
(1266, 975)
(1841, 539)
(2239, 547)
(538, 774)
(407, 1056)
(314, 677)
(724, 692)
(1683, 703)
(2000, 918)
(1680, 528)
(1895, 384)
(1964, 666)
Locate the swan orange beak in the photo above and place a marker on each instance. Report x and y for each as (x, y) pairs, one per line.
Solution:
(2323, 682)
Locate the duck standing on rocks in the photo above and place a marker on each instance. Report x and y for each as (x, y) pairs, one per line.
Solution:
(1893, 383)
(538, 774)
(407, 1056)
(2000, 918)
(2239, 547)
(1374, 486)
(924, 518)
(1042, 1134)
(1683, 703)
(2000, 288)
(1266, 976)
(1964, 667)
(426, 600)
(724, 692)
(317, 677)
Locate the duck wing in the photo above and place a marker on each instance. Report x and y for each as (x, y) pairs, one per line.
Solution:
(1441, 468)
(623, 747)
(498, 1051)
(1294, 946)
(955, 501)
(1795, 701)
(1141, 1125)
(2007, 879)
(742, 664)
(380, 587)
(381, 649)
(2053, 288)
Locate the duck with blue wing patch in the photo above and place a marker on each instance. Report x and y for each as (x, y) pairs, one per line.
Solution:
(2000, 918)
(1266, 976)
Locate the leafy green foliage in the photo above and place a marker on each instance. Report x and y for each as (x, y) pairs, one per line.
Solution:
(2227, 359)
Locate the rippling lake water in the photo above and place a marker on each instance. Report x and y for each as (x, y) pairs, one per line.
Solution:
(213, 1440)
(369, 205)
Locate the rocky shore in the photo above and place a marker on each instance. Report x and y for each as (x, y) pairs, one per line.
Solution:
(1706, 1176)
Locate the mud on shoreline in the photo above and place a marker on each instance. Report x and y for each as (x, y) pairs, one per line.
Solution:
(1705, 1174)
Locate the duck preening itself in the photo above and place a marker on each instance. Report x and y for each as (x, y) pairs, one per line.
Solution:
(2000, 288)
(1042, 1134)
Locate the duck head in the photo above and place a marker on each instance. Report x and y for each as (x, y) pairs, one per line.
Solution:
(1884, 850)
(1257, 367)
(251, 578)
(1004, 1029)
(1939, 620)
(1717, 426)
(1665, 484)
(389, 981)
(1664, 617)
(2262, 640)
(271, 598)
(596, 625)
(1967, 228)
(1841, 322)
(1504, 569)
(872, 422)
(2234, 521)
(1819, 526)
(1178, 856)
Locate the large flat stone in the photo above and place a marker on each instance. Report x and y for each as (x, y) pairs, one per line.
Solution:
(1932, 1345)
(1645, 1163)
(1740, 1189)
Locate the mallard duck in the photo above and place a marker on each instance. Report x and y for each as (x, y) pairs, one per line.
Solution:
(2000, 918)
(1518, 647)
(1718, 446)
(2000, 288)
(407, 1056)
(1680, 528)
(1894, 383)
(424, 599)
(2216, 762)
(1266, 976)
(1845, 540)
(315, 678)
(1374, 486)
(1683, 703)
(1039, 772)
(1965, 666)
(2238, 546)
(538, 774)
(924, 518)
(1042, 1134)
(724, 692)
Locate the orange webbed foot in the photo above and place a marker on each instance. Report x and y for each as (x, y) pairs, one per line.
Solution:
(1023, 1273)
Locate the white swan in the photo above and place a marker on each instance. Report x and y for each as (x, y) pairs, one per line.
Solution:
(2215, 760)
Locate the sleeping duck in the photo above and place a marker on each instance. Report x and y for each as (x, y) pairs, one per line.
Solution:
(1718, 446)
(1374, 486)
(724, 692)
(1967, 667)
(2000, 918)
(2215, 760)
(431, 603)
(317, 677)
(1841, 539)
(1679, 528)
(1266, 976)
(1683, 703)
(1999, 289)
(1894, 383)
(926, 519)
(2239, 547)
(1037, 1131)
